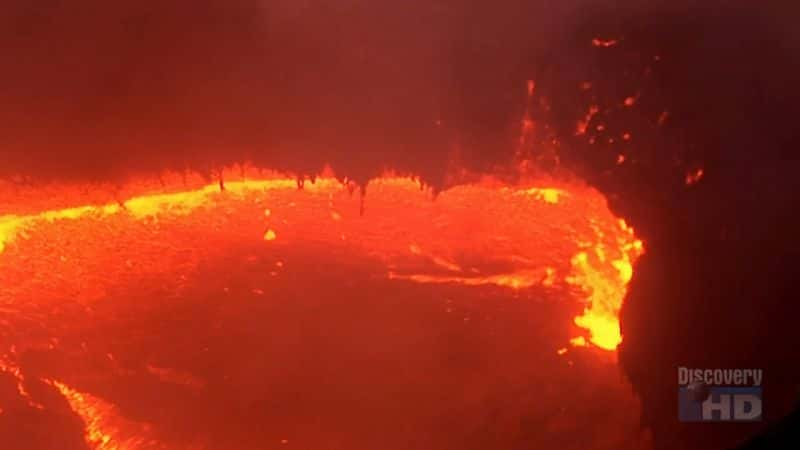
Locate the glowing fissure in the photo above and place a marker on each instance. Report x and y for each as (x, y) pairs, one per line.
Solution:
(516, 280)
(528, 235)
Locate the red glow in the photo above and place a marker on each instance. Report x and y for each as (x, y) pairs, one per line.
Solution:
(544, 233)
(604, 43)
(596, 253)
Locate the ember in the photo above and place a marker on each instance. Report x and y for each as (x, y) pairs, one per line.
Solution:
(597, 42)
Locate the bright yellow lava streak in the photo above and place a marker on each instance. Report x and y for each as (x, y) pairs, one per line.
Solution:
(105, 428)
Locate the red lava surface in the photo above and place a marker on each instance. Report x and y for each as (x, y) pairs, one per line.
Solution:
(172, 314)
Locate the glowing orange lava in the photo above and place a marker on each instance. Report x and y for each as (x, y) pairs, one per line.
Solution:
(556, 236)
(105, 428)
(542, 234)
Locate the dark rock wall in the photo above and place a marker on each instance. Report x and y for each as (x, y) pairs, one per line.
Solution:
(715, 89)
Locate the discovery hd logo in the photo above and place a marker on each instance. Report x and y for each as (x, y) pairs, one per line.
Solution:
(719, 395)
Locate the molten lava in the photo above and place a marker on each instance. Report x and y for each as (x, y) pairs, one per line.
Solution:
(506, 236)
(560, 237)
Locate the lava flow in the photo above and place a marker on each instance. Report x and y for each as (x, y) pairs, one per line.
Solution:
(552, 235)
(507, 236)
